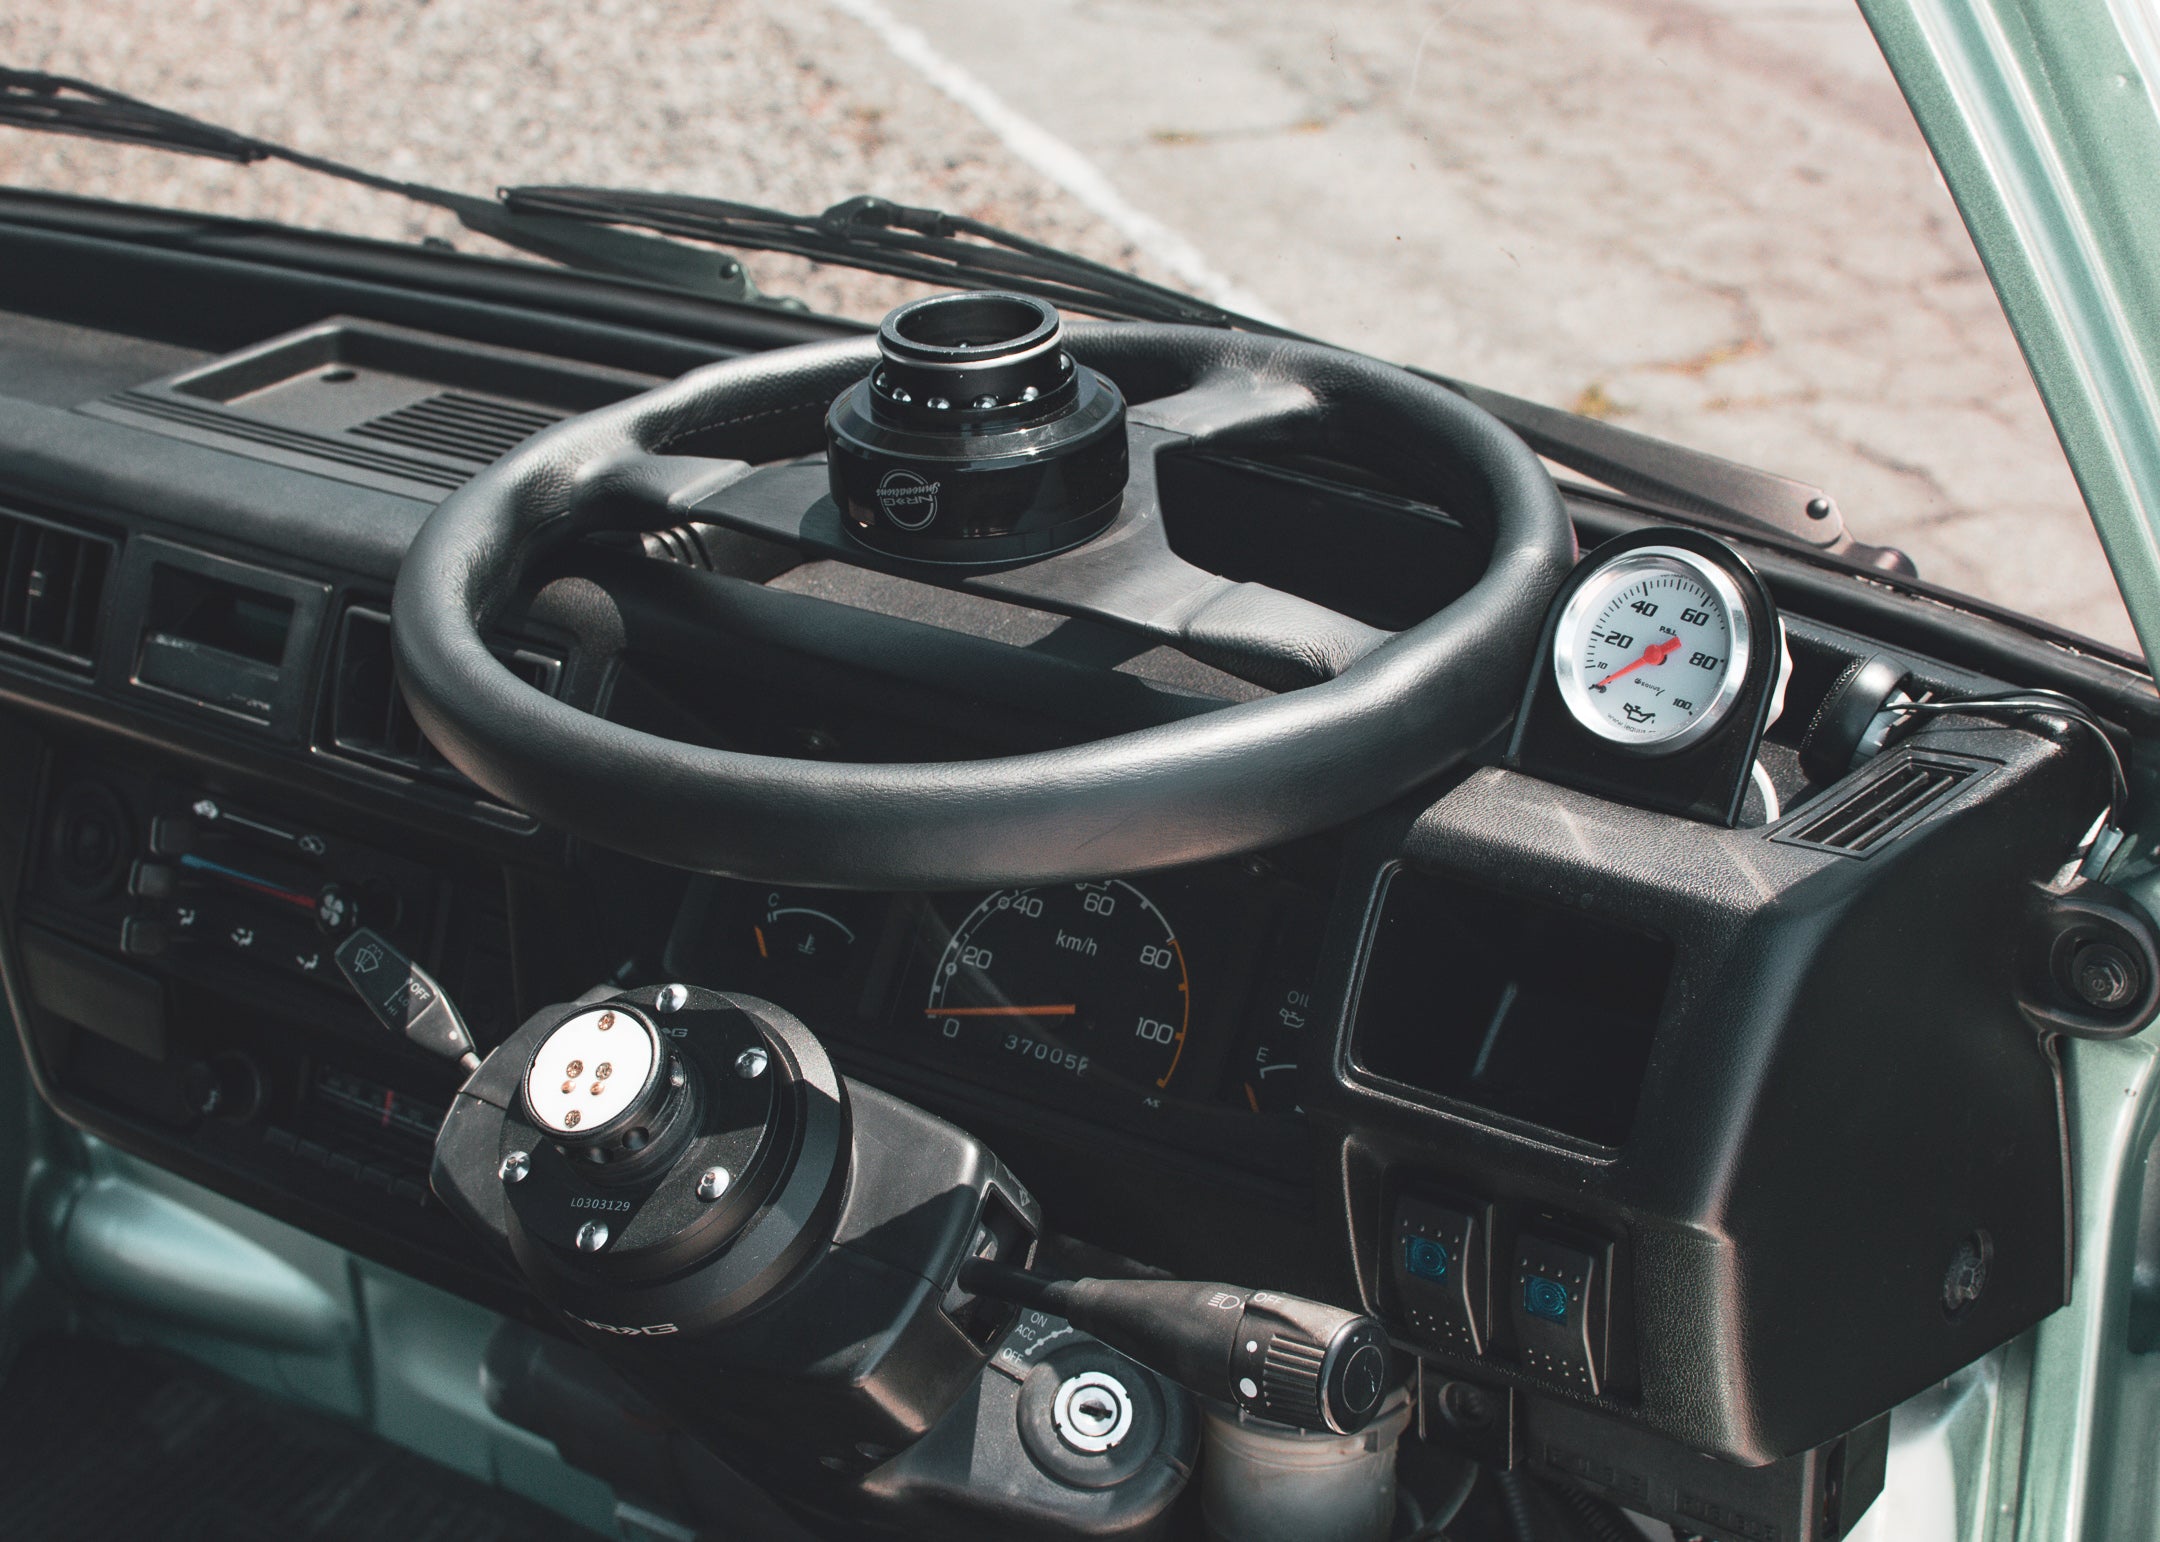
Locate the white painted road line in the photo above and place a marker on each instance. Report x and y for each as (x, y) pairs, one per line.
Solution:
(1055, 159)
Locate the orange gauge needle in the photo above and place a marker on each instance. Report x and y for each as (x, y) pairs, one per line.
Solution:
(1654, 654)
(1067, 1010)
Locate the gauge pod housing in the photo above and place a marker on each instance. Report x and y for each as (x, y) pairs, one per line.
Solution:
(977, 438)
(1691, 628)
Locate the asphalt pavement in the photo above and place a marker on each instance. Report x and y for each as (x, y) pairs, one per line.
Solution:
(1710, 220)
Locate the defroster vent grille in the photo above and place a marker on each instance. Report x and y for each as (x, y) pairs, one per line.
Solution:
(52, 590)
(462, 427)
(1880, 808)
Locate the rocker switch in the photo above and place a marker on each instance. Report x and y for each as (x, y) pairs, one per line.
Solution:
(1557, 1303)
(1441, 1274)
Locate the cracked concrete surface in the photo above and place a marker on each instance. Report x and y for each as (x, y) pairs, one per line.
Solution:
(1710, 220)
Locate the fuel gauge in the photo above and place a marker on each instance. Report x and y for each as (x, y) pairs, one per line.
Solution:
(1270, 1067)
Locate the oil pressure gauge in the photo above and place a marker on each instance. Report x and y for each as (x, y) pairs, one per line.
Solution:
(1652, 650)
(1663, 661)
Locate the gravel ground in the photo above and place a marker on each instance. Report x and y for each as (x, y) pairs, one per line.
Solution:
(1707, 219)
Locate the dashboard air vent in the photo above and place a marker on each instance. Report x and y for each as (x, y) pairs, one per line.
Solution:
(52, 588)
(1865, 819)
(368, 718)
(463, 427)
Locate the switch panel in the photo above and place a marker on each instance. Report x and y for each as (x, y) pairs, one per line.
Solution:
(1557, 1303)
(1440, 1259)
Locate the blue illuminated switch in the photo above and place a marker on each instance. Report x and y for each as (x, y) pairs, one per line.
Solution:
(1558, 1307)
(1546, 1297)
(1441, 1274)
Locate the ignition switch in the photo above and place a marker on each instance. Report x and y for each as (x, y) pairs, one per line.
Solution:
(1092, 1412)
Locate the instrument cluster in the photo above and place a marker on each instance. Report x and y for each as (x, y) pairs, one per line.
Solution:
(1136, 994)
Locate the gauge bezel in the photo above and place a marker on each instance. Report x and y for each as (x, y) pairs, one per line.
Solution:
(1575, 690)
(945, 973)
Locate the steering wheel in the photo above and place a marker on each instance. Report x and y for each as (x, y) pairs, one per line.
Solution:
(1361, 715)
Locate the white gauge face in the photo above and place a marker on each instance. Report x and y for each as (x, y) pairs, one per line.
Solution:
(1652, 650)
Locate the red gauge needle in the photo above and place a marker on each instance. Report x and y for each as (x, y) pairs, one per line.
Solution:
(1059, 1011)
(1656, 653)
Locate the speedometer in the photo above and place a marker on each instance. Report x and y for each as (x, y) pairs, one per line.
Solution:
(1652, 651)
(1083, 981)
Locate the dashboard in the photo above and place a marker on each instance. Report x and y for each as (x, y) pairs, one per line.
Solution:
(1547, 1019)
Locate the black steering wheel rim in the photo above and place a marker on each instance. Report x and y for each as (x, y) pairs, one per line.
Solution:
(1250, 775)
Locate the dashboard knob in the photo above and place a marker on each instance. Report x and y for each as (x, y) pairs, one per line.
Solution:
(88, 840)
(2105, 976)
(227, 1086)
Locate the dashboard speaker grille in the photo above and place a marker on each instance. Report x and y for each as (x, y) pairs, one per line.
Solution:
(52, 590)
(368, 718)
(1866, 819)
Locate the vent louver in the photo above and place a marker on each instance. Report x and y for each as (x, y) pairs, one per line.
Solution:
(1867, 818)
(451, 423)
(52, 590)
(368, 718)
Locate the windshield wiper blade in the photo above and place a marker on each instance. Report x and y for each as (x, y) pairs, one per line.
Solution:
(61, 104)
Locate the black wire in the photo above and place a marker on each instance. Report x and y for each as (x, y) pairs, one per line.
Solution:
(1444, 1511)
(1515, 1498)
(1604, 1520)
(2039, 701)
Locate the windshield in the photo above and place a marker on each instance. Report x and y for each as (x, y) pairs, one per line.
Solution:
(1710, 221)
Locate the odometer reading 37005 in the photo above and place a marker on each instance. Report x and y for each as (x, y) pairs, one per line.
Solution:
(1080, 980)
(1652, 651)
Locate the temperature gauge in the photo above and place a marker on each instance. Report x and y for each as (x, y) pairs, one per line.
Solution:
(809, 950)
(801, 937)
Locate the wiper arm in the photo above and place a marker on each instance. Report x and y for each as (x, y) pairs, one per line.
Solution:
(580, 227)
(61, 104)
(880, 236)
(1707, 487)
